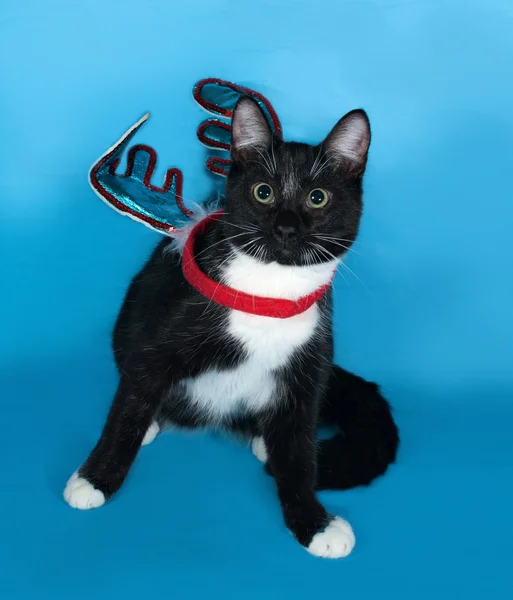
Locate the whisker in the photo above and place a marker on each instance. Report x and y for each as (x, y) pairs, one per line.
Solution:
(319, 252)
(333, 237)
(320, 169)
(273, 157)
(261, 254)
(348, 269)
(323, 249)
(220, 242)
(357, 278)
(250, 242)
(320, 237)
(316, 162)
(268, 166)
(250, 228)
(310, 256)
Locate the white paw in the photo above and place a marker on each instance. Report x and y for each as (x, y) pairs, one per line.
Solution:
(259, 449)
(79, 493)
(151, 434)
(336, 541)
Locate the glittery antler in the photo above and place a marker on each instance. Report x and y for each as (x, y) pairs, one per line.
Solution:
(132, 192)
(161, 208)
(219, 98)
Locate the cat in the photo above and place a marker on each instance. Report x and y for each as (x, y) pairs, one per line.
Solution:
(290, 213)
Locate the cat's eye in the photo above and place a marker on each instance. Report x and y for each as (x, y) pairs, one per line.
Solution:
(263, 193)
(317, 198)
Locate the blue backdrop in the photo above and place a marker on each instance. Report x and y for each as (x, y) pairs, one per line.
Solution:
(431, 318)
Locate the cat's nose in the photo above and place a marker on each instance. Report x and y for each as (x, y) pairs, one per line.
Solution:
(286, 227)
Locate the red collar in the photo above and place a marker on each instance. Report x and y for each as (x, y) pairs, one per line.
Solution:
(231, 298)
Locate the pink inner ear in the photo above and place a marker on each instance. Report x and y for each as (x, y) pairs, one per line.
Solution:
(249, 127)
(349, 140)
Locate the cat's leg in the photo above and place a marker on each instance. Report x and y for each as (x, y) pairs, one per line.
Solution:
(289, 437)
(129, 421)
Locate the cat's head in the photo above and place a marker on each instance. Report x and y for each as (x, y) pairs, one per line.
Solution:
(290, 202)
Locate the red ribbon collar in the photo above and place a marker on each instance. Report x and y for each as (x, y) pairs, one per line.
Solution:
(278, 308)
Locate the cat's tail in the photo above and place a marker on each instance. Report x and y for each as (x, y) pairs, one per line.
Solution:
(367, 441)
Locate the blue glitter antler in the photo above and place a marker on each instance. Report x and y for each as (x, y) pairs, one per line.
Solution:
(219, 98)
(161, 208)
(132, 193)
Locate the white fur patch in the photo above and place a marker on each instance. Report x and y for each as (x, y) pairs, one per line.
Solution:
(81, 494)
(289, 182)
(220, 393)
(268, 342)
(336, 541)
(259, 449)
(273, 280)
(151, 434)
(179, 236)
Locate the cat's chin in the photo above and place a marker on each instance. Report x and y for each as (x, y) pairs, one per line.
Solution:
(289, 257)
(288, 260)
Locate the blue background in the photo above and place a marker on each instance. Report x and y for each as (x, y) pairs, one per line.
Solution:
(432, 320)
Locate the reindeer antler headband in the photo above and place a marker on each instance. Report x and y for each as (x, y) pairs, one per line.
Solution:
(132, 193)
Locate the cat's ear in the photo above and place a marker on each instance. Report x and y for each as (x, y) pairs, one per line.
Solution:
(251, 132)
(348, 142)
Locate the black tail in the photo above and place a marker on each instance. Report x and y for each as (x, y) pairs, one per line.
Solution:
(368, 438)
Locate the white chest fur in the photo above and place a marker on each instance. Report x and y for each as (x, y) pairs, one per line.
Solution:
(269, 343)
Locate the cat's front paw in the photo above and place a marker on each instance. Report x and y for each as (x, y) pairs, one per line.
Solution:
(81, 494)
(335, 541)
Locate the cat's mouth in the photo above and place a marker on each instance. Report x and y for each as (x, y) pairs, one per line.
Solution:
(291, 252)
(286, 247)
(286, 253)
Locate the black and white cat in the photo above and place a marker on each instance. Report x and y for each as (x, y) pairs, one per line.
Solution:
(290, 214)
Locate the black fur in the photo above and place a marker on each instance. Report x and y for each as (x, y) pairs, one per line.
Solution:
(167, 332)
